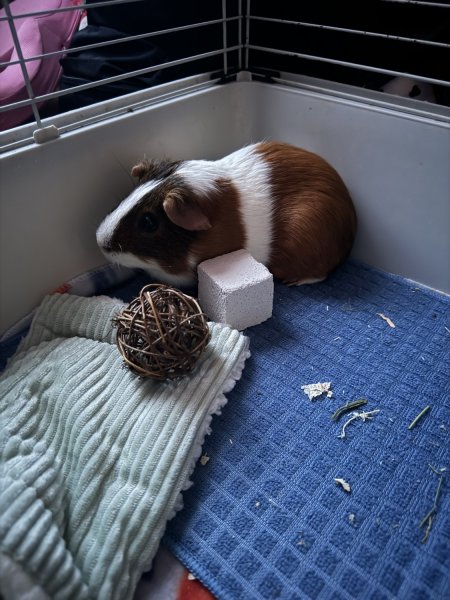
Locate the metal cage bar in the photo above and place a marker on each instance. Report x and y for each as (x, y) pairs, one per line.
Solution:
(419, 3)
(375, 34)
(37, 13)
(130, 38)
(343, 63)
(127, 75)
(29, 87)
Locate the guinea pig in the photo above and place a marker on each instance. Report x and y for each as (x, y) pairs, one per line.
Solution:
(286, 206)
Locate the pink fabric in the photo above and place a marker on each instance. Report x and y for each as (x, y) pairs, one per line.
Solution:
(37, 35)
(11, 78)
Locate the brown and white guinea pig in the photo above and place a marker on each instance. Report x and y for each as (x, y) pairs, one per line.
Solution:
(288, 207)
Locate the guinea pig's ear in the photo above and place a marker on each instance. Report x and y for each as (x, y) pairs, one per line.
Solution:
(140, 169)
(185, 214)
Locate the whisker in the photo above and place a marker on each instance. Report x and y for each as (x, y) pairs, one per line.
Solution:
(124, 169)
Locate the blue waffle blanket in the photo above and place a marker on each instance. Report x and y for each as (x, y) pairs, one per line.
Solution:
(265, 517)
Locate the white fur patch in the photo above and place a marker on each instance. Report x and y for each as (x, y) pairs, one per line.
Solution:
(250, 174)
(157, 272)
(201, 175)
(111, 221)
(153, 268)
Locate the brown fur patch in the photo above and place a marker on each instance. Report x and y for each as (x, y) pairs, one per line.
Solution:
(227, 233)
(154, 169)
(314, 218)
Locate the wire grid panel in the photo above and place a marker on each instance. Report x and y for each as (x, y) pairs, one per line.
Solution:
(117, 49)
(396, 46)
(400, 47)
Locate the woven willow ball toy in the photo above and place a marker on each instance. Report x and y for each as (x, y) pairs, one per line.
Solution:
(161, 333)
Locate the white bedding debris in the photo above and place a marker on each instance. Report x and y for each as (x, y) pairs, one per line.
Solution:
(314, 390)
(387, 319)
(363, 415)
(344, 484)
(204, 460)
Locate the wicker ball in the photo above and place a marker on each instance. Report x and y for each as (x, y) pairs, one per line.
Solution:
(161, 333)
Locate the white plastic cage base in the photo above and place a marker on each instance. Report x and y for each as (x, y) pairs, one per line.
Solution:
(394, 160)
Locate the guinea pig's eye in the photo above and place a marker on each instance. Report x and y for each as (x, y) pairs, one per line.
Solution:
(147, 223)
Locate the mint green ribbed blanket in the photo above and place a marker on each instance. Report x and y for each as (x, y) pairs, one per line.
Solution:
(93, 459)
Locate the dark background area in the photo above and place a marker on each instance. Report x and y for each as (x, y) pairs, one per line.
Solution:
(397, 19)
(409, 20)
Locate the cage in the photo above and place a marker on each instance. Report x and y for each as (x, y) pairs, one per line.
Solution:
(366, 86)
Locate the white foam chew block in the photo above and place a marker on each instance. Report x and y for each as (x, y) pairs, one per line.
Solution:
(235, 289)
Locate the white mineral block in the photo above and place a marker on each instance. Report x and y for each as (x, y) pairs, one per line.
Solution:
(235, 289)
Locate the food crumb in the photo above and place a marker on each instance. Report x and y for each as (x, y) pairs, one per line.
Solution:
(344, 484)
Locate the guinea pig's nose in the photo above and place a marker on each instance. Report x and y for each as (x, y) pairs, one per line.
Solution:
(104, 243)
(106, 247)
